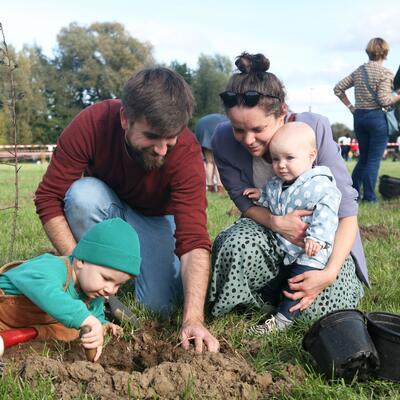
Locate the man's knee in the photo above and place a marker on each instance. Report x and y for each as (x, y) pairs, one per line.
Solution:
(89, 201)
(91, 195)
(85, 191)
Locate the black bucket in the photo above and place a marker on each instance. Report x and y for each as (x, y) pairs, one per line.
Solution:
(341, 345)
(384, 329)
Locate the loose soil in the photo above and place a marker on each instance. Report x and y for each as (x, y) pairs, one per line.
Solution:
(146, 366)
(378, 231)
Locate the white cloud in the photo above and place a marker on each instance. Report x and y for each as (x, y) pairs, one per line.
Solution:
(356, 35)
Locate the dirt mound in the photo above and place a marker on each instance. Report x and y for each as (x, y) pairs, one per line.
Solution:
(145, 367)
(378, 231)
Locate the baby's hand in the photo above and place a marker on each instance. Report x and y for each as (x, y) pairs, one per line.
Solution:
(311, 247)
(252, 193)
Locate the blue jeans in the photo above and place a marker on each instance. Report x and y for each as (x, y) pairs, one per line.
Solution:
(159, 285)
(272, 293)
(371, 131)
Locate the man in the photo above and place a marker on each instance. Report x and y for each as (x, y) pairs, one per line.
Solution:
(142, 164)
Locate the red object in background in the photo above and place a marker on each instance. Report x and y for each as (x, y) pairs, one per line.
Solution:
(354, 146)
(14, 336)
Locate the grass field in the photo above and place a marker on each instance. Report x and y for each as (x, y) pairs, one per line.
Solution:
(276, 353)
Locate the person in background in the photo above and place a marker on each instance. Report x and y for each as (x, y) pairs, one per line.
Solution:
(396, 88)
(297, 186)
(396, 153)
(204, 129)
(396, 80)
(370, 125)
(246, 255)
(344, 143)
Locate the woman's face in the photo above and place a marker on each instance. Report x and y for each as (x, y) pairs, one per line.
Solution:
(253, 128)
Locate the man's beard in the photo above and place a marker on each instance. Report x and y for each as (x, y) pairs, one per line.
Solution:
(146, 157)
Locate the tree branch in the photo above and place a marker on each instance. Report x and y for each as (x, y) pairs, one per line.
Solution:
(9, 63)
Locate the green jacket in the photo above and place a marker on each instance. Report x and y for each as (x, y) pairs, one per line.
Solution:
(42, 280)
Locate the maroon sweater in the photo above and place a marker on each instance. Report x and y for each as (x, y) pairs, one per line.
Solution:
(93, 145)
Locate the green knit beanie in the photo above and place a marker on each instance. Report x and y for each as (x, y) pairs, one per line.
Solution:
(111, 243)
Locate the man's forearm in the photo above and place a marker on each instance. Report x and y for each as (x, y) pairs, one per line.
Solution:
(195, 270)
(60, 235)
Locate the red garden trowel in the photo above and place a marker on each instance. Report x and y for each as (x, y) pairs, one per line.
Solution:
(90, 353)
(12, 337)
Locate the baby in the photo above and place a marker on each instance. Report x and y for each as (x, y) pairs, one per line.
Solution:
(59, 295)
(297, 186)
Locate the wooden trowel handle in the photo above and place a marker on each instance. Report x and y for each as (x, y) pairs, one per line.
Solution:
(90, 353)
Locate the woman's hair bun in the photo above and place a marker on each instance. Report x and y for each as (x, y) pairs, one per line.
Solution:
(247, 63)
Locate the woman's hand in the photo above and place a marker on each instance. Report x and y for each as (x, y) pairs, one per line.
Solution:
(307, 286)
(291, 226)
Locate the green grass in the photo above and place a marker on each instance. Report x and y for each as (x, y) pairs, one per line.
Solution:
(273, 353)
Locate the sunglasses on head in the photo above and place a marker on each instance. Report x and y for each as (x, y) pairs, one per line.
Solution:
(249, 98)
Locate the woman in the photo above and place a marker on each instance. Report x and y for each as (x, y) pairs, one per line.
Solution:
(373, 85)
(246, 256)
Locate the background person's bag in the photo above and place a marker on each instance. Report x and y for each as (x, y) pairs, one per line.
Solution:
(389, 186)
(393, 124)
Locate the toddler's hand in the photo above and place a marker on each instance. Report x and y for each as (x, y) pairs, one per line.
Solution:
(252, 193)
(95, 337)
(115, 329)
(311, 247)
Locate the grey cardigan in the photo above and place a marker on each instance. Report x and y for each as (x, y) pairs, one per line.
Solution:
(235, 165)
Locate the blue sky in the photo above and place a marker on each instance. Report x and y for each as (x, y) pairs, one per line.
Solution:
(311, 44)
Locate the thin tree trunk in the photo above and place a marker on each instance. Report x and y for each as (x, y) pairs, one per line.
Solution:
(10, 65)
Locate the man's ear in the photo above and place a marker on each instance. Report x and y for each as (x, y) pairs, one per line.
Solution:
(124, 120)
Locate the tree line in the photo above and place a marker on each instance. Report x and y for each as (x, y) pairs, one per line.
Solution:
(89, 64)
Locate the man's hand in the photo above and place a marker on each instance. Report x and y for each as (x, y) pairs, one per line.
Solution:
(291, 226)
(194, 330)
(195, 269)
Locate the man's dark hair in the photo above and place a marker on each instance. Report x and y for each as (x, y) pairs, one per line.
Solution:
(161, 96)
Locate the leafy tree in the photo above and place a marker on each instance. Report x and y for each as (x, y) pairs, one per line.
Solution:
(33, 113)
(210, 79)
(183, 70)
(339, 130)
(92, 63)
(5, 126)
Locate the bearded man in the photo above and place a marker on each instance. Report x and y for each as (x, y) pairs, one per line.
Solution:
(135, 159)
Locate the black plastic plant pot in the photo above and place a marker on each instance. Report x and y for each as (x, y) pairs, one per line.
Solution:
(384, 329)
(341, 345)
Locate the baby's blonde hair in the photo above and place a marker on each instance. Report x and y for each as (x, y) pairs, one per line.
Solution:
(295, 131)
